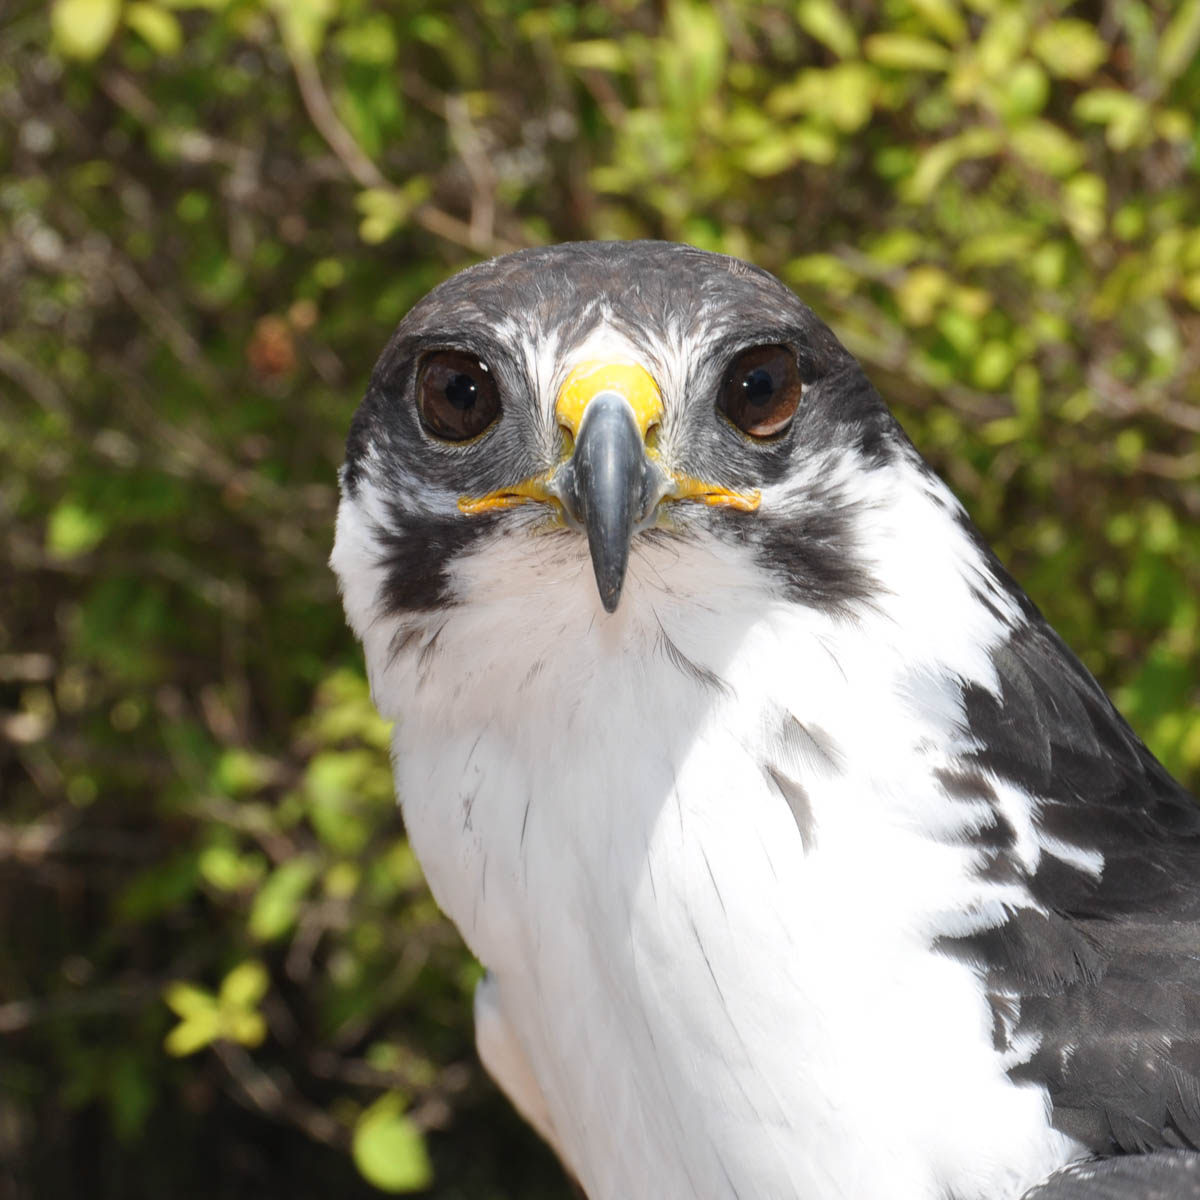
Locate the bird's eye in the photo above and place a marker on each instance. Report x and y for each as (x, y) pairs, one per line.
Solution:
(457, 396)
(761, 390)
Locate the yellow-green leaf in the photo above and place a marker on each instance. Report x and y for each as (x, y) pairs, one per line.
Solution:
(1179, 41)
(919, 293)
(943, 16)
(72, 530)
(936, 162)
(303, 22)
(993, 364)
(1003, 41)
(1071, 49)
(595, 55)
(825, 21)
(193, 1034)
(245, 985)
(905, 52)
(389, 1150)
(1085, 196)
(156, 26)
(1047, 147)
(187, 1000)
(83, 28)
(1024, 91)
(278, 901)
(386, 209)
(245, 1028)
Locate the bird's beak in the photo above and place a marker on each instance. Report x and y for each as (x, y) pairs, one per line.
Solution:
(611, 483)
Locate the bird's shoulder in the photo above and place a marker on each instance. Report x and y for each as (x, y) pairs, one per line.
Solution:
(1099, 978)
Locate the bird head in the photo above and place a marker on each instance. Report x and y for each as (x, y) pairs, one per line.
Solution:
(609, 395)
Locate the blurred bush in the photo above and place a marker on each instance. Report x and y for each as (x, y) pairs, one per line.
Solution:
(221, 974)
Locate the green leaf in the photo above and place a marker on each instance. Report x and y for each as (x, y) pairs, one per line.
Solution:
(993, 364)
(1085, 197)
(387, 209)
(159, 28)
(245, 985)
(303, 22)
(939, 159)
(904, 52)
(193, 1034)
(371, 40)
(1047, 147)
(245, 1028)
(1126, 116)
(241, 772)
(1024, 91)
(200, 1018)
(72, 530)
(277, 904)
(1179, 42)
(943, 16)
(187, 1000)
(1002, 41)
(692, 68)
(389, 1150)
(850, 95)
(1071, 49)
(595, 55)
(83, 28)
(825, 21)
(920, 292)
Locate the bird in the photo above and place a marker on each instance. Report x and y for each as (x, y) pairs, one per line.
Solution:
(803, 858)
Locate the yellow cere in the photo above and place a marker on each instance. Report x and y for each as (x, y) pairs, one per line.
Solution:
(589, 379)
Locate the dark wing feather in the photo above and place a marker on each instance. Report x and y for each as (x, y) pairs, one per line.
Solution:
(1167, 1175)
(1109, 980)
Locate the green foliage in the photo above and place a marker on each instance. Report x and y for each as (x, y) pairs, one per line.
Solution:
(218, 944)
(389, 1149)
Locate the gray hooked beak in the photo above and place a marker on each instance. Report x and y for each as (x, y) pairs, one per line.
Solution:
(609, 487)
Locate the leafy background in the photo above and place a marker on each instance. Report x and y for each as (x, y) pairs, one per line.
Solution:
(220, 973)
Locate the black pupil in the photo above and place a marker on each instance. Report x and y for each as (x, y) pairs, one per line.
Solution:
(758, 387)
(461, 391)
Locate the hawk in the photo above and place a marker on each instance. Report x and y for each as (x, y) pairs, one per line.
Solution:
(805, 860)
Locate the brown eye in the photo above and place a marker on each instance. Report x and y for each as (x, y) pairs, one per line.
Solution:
(457, 396)
(762, 390)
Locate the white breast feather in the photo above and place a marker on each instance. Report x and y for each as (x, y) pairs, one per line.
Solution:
(709, 1009)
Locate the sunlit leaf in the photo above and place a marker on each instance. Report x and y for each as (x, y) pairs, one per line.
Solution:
(595, 55)
(158, 27)
(944, 17)
(389, 1149)
(906, 52)
(1070, 48)
(72, 530)
(277, 904)
(1047, 147)
(187, 1000)
(193, 1034)
(1180, 40)
(245, 985)
(83, 28)
(828, 23)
